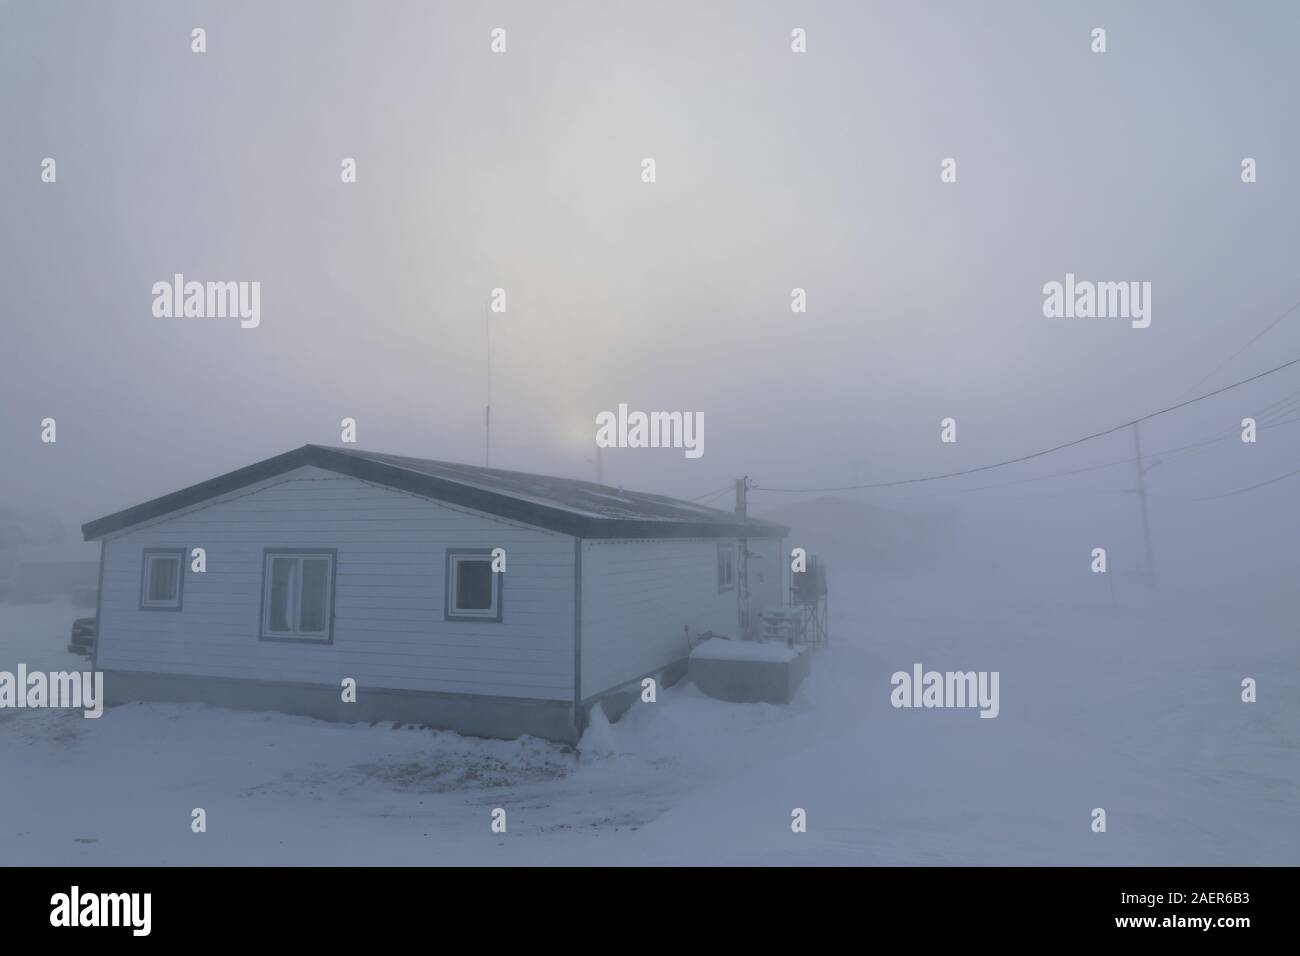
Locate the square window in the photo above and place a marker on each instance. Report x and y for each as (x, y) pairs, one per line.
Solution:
(473, 588)
(161, 579)
(298, 596)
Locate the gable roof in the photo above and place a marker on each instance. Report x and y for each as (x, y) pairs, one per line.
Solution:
(583, 509)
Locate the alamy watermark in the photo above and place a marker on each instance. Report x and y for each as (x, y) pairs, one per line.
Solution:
(1084, 299)
(624, 429)
(75, 908)
(208, 300)
(58, 689)
(922, 688)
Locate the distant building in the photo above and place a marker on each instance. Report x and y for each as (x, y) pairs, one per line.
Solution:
(38, 573)
(324, 564)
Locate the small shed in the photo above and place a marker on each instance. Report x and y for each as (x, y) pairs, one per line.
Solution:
(491, 602)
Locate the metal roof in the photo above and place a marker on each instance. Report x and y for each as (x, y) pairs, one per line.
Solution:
(580, 508)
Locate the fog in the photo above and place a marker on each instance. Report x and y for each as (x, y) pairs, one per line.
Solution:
(775, 171)
(956, 455)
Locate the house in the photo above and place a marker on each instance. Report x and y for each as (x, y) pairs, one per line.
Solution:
(271, 586)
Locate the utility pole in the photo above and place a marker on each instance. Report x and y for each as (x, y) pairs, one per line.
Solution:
(487, 409)
(1142, 499)
(742, 568)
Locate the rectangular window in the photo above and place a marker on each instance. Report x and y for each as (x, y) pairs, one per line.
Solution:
(473, 588)
(162, 579)
(298, 595)
(726, 567)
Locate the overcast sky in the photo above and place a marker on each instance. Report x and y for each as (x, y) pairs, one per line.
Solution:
(522, 170)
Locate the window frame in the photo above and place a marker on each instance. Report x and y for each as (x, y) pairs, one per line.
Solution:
(149, 553)
(730, 551)
(449, 611)
(264, 633)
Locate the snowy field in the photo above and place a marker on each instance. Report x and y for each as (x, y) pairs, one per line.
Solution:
(1131, 710)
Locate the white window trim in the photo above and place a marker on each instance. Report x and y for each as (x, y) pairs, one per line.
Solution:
(325, 636)
(150, 556)
(453, 613)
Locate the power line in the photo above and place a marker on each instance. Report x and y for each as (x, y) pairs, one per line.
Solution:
(1105, 464)
(711, 494)
(712, 498)
(1163, 453)
(1284, 407)
(1239, 491)
(1295, 305)
(1045, 451)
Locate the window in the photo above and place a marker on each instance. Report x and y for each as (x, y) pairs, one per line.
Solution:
(161, 579)
(473, 588)
(726, 567)
(298, 596)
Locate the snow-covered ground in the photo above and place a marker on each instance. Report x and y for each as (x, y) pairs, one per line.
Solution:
(1137, 711)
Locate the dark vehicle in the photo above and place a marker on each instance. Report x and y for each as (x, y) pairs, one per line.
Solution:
(84, 632)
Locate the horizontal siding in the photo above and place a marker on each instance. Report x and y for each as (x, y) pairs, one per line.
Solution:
(637, 598)
(389, 630)
(768, 563)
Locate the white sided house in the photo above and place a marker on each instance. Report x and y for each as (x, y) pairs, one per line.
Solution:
(324, 565)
